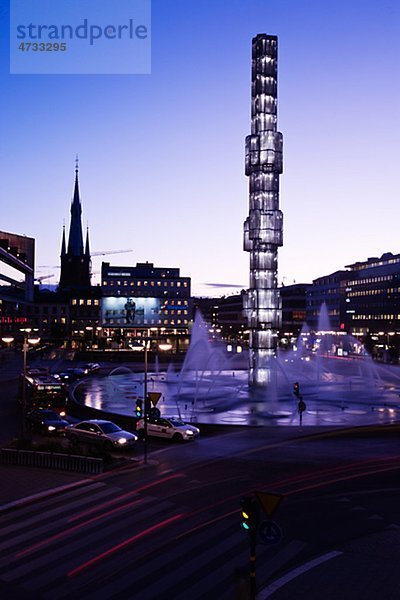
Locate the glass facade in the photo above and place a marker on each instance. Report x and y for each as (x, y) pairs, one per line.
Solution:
(264, 226)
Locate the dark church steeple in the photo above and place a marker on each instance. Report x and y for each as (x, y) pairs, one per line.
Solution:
(75, 262)
(75, 240)
(63, 246)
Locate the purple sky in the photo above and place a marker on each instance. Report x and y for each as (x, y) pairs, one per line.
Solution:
(162, 155)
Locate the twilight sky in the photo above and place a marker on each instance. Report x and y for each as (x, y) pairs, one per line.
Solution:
(162, 155)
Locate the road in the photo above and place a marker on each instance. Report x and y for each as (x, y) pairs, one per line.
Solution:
(171, 530)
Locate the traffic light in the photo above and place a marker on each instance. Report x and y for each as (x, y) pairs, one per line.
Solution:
(296, 389)
(249, 514)
(139, 408)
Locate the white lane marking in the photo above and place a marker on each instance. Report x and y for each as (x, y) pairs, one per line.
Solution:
(44, 494)
(273, 587)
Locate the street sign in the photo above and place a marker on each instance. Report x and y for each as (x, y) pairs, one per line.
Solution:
(269, 502)
(154, 397)
(270, 532)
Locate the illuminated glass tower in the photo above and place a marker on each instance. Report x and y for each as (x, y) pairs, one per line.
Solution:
(263, 226)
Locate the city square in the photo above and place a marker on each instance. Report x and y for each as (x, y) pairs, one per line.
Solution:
(209, 405)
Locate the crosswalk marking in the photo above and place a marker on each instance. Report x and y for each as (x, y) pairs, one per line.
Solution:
(80, 547)
(45, 547)
(38, 518)
(165, 560)
(32, 506)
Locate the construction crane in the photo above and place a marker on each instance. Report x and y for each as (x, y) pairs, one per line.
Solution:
(99, 253)
(42, 277)
(105, 252)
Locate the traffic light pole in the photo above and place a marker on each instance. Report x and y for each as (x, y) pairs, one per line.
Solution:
(145, 403)
(253, 585)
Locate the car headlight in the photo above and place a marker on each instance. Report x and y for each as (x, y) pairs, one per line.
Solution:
(189, 432)
(51, 428)
(62, 414)
(122, 441)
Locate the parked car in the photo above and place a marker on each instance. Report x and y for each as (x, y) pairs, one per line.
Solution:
(91, 368)
(76, 373)
(168, 427)
(46, 421)
(70, 375)
(103, 433)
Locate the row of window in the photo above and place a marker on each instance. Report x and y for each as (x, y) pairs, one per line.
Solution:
(367, 293)
(111, 322)
(375, 317)
(85, 301)
(371, 280)
(380, 263)
(55, 310)
(151, 283)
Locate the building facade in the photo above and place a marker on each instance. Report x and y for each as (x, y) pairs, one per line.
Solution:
(373, 295)
(329, 290)
(17, 261)
(145, 301)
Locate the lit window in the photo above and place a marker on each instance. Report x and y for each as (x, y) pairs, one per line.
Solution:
(74, 301)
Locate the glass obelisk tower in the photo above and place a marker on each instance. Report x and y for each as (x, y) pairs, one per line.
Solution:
(263, 226)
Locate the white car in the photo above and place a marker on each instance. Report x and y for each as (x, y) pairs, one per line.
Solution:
(168, 427)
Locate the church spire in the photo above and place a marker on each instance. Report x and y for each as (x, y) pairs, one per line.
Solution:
(63, 245)
(75, 261)
(87, 250)
(75, 240)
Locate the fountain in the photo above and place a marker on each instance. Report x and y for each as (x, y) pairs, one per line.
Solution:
(338, 380)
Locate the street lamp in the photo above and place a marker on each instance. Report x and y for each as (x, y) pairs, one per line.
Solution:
(33, 341)
(139, 348)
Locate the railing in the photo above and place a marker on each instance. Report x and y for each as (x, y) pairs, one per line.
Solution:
(51, 460)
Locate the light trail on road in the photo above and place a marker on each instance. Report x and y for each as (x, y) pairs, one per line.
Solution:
(127, 542)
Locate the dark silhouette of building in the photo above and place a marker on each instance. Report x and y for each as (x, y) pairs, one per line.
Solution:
(294, 303)
(75, 259)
